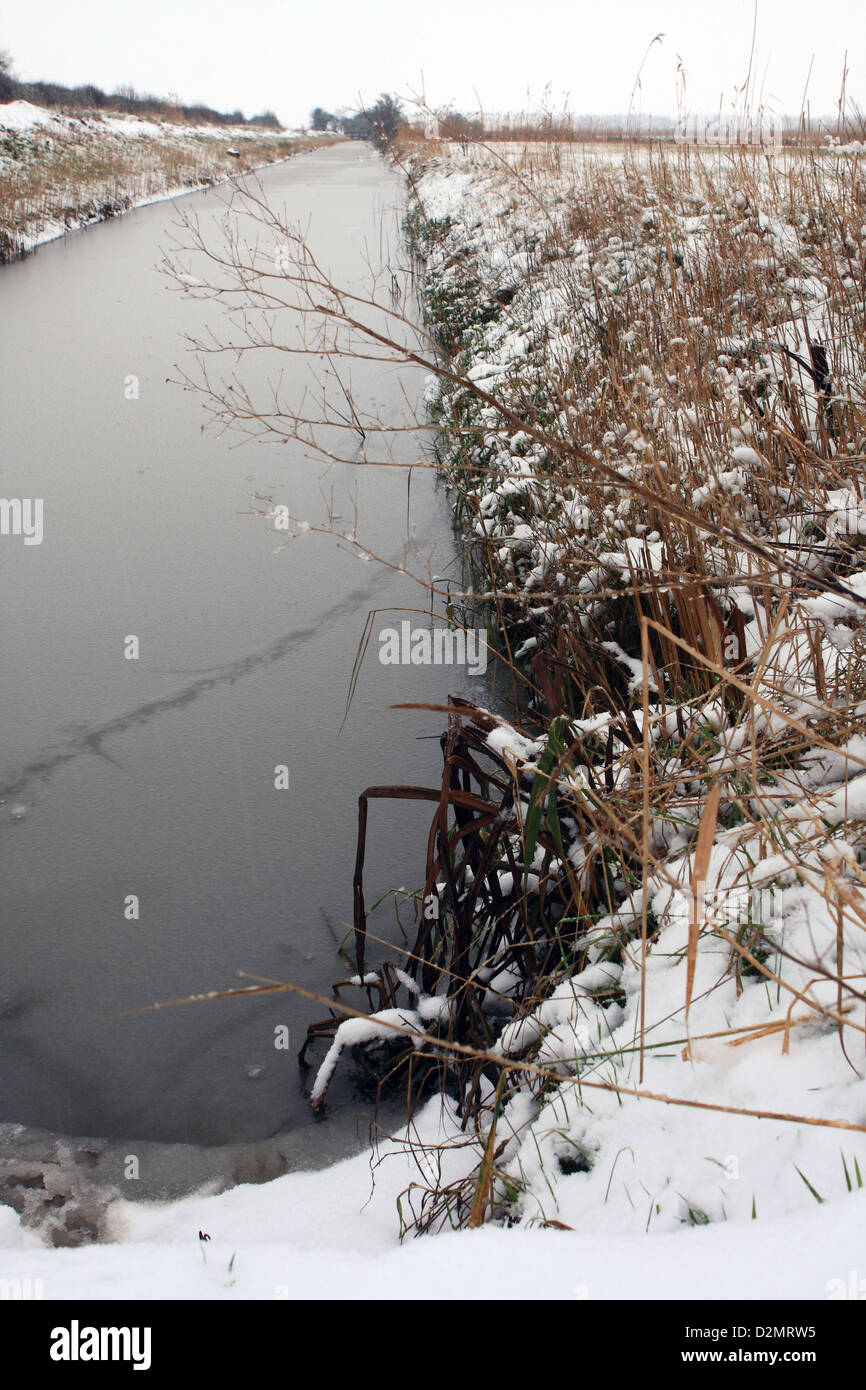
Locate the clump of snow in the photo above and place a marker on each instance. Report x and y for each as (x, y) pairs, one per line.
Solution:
(23, 115)
(383, 1026)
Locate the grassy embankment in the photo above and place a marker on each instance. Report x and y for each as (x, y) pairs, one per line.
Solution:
(652, 403)
(84, 169)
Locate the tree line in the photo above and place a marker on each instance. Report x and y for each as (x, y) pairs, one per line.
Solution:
(126, 99)
(378, 123)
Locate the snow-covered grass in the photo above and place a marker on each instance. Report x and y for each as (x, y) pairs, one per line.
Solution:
(61, 171)
(652, 402)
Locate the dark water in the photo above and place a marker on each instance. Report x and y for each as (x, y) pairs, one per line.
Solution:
(155, 777)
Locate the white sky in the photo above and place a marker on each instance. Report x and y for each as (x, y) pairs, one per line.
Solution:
(291, 56)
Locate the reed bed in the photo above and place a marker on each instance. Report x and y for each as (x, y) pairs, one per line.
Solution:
(635, 971)
(652, 419)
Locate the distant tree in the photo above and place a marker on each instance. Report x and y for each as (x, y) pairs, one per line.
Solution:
(384, 117)
(453, 125)
(320, 119)
(357, 127)
(8, 85)
(88, 96)
(267, 119)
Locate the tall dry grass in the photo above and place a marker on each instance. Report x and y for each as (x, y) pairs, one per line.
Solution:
(676, 351)
(662, 499)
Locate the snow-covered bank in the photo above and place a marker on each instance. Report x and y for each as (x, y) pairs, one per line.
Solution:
(332, 1235)
(655, 412)
(60, 172)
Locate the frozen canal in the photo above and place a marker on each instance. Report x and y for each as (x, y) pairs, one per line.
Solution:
(154, 778)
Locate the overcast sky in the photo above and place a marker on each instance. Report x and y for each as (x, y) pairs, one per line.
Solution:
(288, 56)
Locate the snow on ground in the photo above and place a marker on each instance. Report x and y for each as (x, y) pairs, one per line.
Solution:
(23, 115)
(332, 1235)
